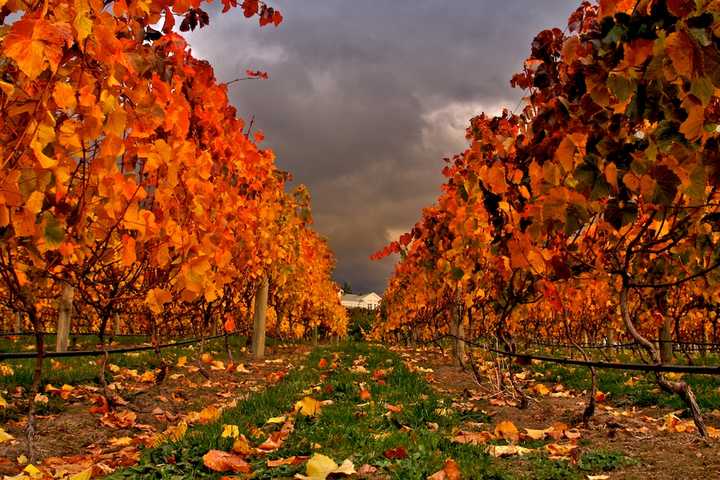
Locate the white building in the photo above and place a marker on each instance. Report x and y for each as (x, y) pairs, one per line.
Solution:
(368, 301)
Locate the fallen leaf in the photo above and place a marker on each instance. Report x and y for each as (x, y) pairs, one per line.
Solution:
(308, 406)
(560, 452)
(120, 442)
(557, 430)
(230, 431)
(506, 450)
(366, 470)
(473, 438)
(540, 389)
(293, 460)
(33, 471)
(209, 414)
(365, 395)
(535, 434)
(572, 434)
(276, 419)
(395, 453)
(320, 466)
(120, 419)
(241, 445)
(219, 461)
(507, 430)
(450, 471)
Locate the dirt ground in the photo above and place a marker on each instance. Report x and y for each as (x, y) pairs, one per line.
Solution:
(658, 450)
(77, 438)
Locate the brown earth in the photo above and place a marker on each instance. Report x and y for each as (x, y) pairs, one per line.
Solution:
(75, 438)
(657, 449)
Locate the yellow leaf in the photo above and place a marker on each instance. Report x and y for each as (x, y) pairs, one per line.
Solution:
(320, 466)
(209, 414)
(3, 402)
(230, 431)
(4, 436)
(308, 406)
(182, 361)
(276, 420)
(33, 471)
(535, 434)
(506, 450)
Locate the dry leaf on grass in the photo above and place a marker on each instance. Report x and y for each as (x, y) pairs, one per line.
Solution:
(560, 452)
(219, 461)
(319, 467)
(450, 471)
(507, 430)
(293, 460)
(506, 450)
(241, 445)
(473, 438)
(308, 406)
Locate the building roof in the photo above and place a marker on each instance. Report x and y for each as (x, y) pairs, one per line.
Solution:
(350, 297)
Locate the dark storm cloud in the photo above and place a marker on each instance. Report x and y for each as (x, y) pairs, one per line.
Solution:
(365, 98)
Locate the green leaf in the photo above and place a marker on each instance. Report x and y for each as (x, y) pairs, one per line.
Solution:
(53, 231)
(622, 87)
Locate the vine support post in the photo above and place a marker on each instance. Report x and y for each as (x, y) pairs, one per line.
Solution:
(64, 318)
(258, 337)
(18, 322)
(458, 333)
(116, 324)
(35, 386)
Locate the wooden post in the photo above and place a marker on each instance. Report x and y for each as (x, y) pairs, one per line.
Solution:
(64, 318)
(458, 332)
(258, 339)
(18, 322)
(315, 336)
(666, 344)
(116, 325)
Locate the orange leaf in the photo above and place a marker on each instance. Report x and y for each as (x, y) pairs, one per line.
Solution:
(450, 471)
(35, 44)
(507, 430)
(219, 461)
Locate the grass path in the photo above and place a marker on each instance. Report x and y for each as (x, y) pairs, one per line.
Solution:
(375, 412)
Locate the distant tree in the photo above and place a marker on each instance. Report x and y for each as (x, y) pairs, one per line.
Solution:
(347, 288)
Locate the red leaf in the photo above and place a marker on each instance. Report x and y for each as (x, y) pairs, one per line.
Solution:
(395, 453)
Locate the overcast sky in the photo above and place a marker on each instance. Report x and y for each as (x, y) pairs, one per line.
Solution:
(366, 97)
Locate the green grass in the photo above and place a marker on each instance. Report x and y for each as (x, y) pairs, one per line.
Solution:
(351, 428)
(78, 370)
(643, 392)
